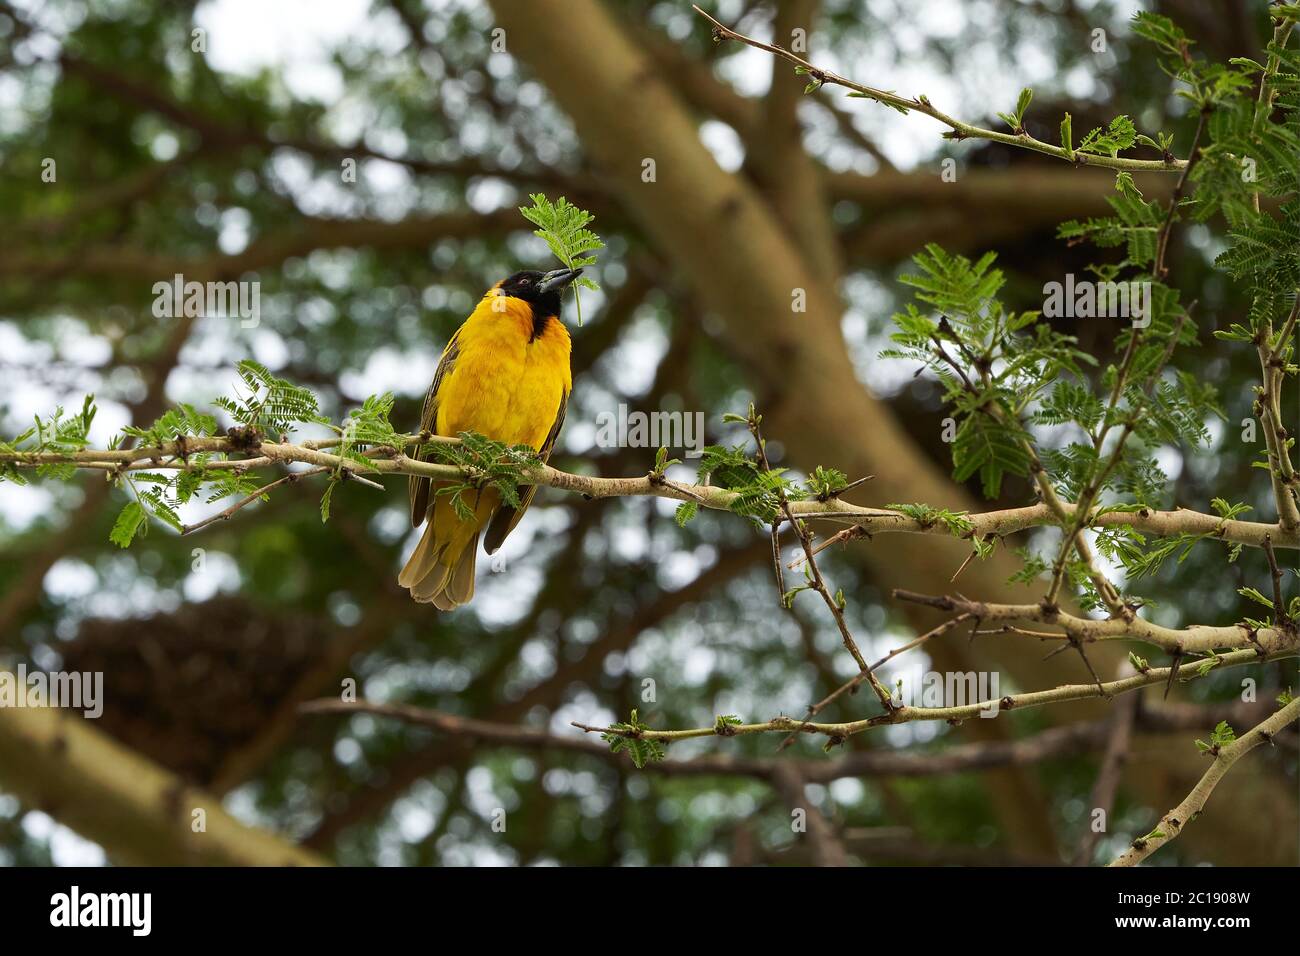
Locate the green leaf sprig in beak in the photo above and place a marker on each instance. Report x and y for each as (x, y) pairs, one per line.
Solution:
(564, 227)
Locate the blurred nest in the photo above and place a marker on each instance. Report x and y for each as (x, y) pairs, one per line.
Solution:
(189, 688)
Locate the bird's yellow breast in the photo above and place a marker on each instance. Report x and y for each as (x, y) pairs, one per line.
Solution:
(505, 384)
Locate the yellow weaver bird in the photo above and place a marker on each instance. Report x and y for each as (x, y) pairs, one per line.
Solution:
(504, 374)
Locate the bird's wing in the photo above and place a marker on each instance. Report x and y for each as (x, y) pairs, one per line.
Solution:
(504, 521)
(419, 487)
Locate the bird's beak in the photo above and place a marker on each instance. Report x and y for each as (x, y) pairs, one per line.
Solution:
(558, 279)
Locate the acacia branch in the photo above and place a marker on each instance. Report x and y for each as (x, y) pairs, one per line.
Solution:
(851, 686)
(817, 582)
(1194, 639)
(956, 713)
(1047, 492)
(1173, 822)
(1268, 406)
(27, 589)
(960, 130)
(1064, 741)
(1158, 269)
(172, 456)
(1072, 538)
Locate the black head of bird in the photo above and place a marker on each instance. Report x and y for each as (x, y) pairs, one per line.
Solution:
(542, 290)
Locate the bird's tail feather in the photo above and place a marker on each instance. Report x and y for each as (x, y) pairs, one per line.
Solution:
(440, 570)
(422, 560)
(458, 586)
